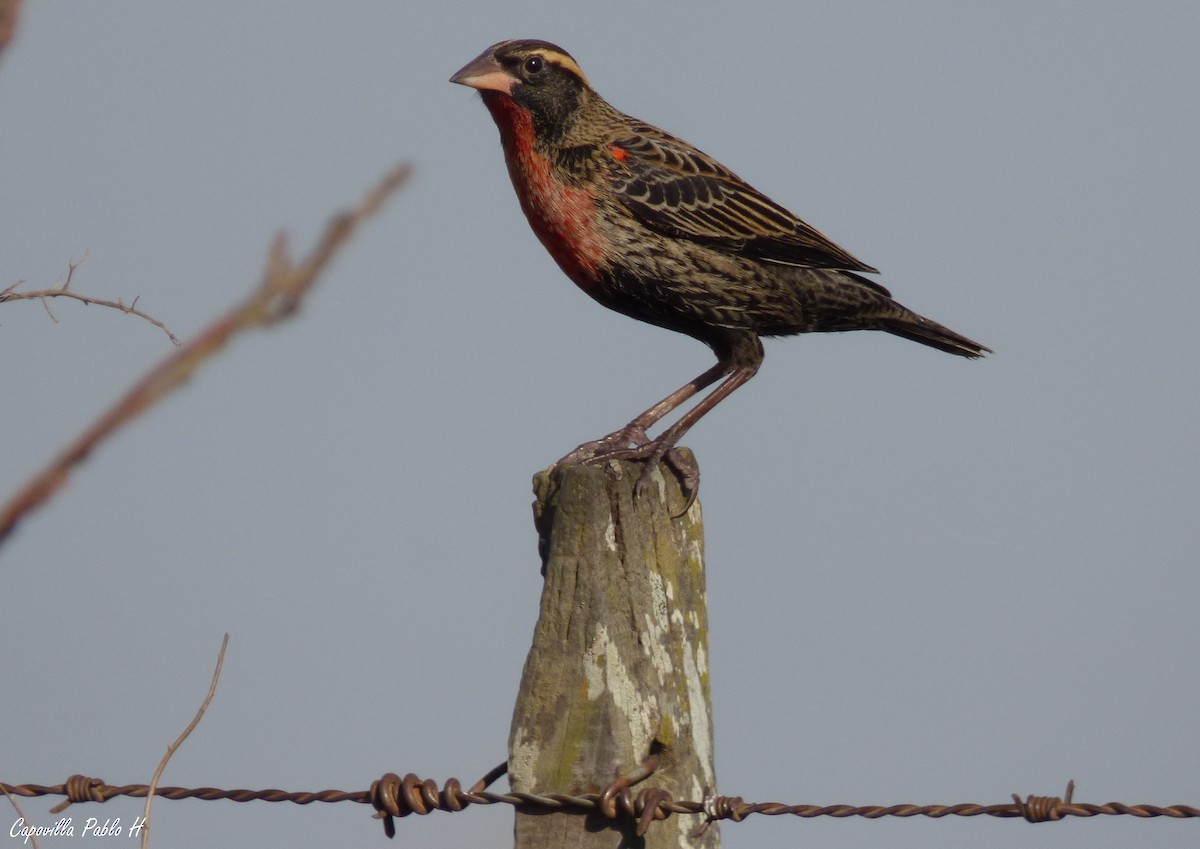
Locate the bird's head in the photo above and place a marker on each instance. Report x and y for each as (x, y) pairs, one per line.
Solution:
(537, 76)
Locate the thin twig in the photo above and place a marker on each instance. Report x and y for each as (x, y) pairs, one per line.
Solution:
(43, 294)
(64, 291)
(212, 690)
(277, 297)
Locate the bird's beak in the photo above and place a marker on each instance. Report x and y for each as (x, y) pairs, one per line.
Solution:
(485, 74)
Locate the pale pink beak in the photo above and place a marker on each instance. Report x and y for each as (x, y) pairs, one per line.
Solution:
(485, 74)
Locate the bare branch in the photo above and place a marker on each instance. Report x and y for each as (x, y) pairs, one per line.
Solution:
(277, 297)
(64, 291)
(162, 765)
(9, 10)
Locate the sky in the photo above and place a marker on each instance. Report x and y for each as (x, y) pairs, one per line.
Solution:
(930, 580)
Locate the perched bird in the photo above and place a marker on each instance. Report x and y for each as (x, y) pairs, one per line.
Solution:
(653, 228)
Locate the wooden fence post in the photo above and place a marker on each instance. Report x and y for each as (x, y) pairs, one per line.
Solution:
(619, 662)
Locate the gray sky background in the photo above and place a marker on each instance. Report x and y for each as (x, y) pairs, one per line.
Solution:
(930, 580)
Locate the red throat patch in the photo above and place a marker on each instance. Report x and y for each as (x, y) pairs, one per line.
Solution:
(562, 216)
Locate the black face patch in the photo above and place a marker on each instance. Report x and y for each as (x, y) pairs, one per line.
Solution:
(551, 85)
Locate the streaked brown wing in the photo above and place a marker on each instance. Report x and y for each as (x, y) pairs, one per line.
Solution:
(679, 191)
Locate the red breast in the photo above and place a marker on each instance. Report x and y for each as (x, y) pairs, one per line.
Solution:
(562, 216)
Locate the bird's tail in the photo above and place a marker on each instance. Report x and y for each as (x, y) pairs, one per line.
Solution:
(920, 329)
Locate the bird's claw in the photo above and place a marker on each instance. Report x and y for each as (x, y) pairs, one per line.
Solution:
(685, 470)
(632, 437)
(632, 443)
(651, 453)
(688, 472)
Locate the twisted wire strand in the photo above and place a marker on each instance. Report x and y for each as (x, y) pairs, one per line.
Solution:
(393, 796)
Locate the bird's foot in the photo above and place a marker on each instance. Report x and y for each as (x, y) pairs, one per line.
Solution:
(652, 453)
(632, 443)
(631, 437)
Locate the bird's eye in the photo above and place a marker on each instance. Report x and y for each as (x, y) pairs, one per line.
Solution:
(534, 65)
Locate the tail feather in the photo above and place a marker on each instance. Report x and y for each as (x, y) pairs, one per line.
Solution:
(920, 329)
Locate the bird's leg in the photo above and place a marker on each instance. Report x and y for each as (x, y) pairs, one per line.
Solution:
(738, 359)
(634, 433)
(663, 447)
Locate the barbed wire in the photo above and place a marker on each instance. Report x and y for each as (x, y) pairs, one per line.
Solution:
(393, 797)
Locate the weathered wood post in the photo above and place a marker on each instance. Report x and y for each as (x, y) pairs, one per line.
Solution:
(619, 663)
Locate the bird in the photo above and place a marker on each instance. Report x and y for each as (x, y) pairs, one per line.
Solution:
(657, 230)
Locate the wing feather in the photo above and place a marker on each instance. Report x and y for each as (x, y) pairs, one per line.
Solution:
(675, 189)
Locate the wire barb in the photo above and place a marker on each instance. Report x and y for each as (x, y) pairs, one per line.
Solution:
(393, 796)
(1044, 808)
(720, 808)
(80, 788)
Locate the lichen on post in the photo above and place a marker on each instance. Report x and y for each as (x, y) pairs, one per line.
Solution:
(619, 663)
